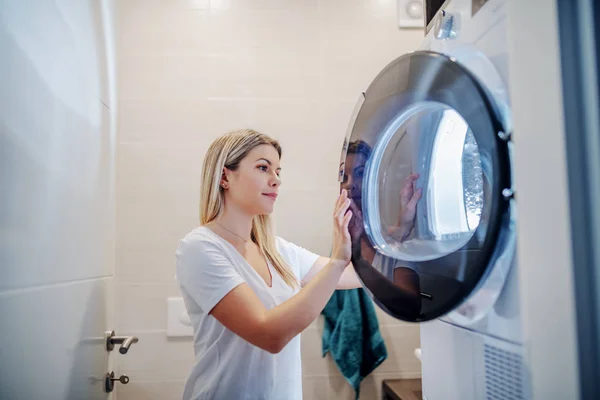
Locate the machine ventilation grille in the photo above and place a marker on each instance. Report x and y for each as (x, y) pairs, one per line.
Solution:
(503, 374)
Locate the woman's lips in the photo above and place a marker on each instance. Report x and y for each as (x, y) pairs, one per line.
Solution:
(272, 196)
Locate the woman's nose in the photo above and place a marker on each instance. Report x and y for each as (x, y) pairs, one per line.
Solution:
(347, 183)
(276, 181)
(351, 184)
(352, 188)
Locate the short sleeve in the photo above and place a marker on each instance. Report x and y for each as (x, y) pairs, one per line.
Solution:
(300, 259)
(205, 272)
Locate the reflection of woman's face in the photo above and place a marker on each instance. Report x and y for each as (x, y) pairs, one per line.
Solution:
(354, 170)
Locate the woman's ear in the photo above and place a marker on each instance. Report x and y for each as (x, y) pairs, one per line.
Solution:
(224, 180)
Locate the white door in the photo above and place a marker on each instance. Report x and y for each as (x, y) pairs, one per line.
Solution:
(57, 144)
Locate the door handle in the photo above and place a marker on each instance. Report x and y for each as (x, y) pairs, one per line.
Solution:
(124, 341)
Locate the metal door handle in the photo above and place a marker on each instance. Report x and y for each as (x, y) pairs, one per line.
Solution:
(124, 341)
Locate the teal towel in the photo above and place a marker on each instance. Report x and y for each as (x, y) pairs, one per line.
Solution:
(351, 335)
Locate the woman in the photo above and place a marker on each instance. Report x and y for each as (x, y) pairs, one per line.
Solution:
(240, 283)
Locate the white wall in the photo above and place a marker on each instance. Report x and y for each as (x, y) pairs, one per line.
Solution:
(193, 70)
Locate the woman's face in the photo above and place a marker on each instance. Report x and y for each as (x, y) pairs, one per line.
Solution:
(254, 185)
(354, 170)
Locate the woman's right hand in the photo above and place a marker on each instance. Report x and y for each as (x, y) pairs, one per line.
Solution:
(342, 244)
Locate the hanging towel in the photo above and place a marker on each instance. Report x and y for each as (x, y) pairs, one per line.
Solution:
(351, 335)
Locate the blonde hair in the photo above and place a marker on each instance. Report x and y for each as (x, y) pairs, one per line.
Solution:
(227, 152)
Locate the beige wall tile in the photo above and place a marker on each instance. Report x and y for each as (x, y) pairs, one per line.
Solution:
(314, 172)
(318, 323)
(400, 342)
(350, 58)
(263, 73)
(295, 207)
(293, 5)
(157, 204)
(159, 180)
(151, 390)
(313, 363)
(334, 119)
(144, 306)
(315, 388)
(164, 77)
(152, 261)
(339, 388)
(265, 28)
(366, 8)
(163, 28)
(148, 256)
(369, 390)
(195, 121)
(291, 121)
(200, 121)
(165, 121)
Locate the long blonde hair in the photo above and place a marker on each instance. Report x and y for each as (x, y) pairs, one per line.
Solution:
(227, 152)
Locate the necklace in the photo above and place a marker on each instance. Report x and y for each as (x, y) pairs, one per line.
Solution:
(233, 233)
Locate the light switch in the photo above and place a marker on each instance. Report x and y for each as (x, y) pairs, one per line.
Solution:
(178, 321)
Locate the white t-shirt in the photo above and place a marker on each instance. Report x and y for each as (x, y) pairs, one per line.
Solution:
(227, 366)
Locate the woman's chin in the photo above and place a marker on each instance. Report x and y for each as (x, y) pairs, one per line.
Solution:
(269, 210)
(265, 210)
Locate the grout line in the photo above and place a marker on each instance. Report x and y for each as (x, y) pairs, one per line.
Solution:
(37, 287)
(143, 331)
(105, 105)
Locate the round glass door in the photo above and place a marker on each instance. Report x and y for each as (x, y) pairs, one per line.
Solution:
(450, 206)
(426, 165)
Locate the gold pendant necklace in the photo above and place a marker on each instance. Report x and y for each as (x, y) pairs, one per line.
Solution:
(233, 233)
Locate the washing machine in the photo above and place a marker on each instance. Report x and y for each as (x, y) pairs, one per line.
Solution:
(427, 161)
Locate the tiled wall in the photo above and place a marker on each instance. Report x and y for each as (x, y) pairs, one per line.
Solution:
(191, 70)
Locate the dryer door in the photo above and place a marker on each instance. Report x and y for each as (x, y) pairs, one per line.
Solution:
(427, 164)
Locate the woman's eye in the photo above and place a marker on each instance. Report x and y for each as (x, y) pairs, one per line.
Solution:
(263, 168)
